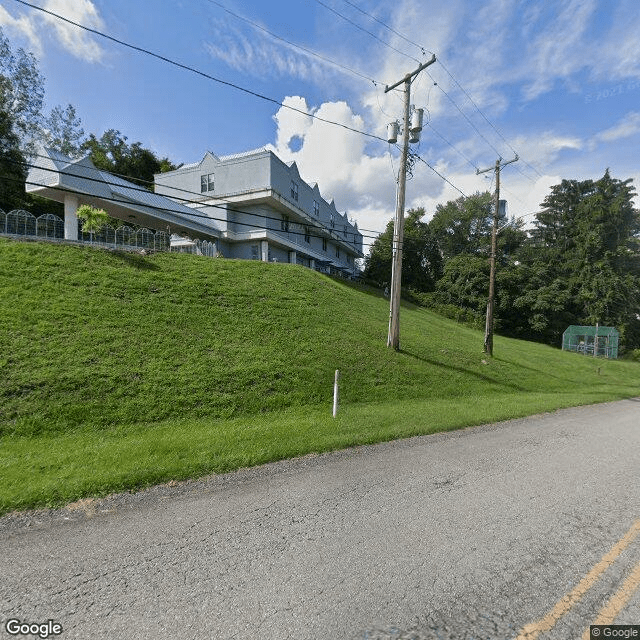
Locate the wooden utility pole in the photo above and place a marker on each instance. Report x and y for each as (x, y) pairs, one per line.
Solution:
(488, 330)
(393, 338)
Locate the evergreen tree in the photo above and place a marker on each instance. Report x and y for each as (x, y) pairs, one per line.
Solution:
(582, 264)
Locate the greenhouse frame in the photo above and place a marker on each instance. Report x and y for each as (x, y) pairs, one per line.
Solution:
(594, 341)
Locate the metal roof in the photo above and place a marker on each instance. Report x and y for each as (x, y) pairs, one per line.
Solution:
(57, 175)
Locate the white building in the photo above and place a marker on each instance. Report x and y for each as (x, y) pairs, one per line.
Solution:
(261, 209)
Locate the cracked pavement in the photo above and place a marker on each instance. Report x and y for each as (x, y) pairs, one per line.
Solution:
(469, 534)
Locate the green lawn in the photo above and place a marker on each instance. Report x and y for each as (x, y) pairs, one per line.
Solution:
(121, 370)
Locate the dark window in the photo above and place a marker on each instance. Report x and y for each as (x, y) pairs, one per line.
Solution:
(284, 223)
(324, 244)
(206, 183)
(316, 208)
(307, 237)
(294, 190)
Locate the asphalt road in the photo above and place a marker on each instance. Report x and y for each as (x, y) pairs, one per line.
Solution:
(523, 529)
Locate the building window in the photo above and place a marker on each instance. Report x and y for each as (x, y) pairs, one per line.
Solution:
(316, 208)
(255, 252)
(324, 244)
(294, 190)
(337, 251)
(206, 183)
(332, 221)
(307, 237)
(284, 223)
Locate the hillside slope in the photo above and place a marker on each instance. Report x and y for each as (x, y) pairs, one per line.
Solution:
(94, 337)
(120, 371)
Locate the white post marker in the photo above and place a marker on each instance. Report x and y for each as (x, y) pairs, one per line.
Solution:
(335, 393)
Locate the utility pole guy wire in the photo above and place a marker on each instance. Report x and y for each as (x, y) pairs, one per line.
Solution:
(393, 338)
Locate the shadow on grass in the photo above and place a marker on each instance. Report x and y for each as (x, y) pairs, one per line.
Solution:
(479, 376)
(135, 260)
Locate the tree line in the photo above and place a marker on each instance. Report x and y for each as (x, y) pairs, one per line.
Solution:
(578, 264)
(24, 125)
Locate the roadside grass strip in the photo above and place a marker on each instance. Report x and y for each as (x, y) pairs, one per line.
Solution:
(56, 469)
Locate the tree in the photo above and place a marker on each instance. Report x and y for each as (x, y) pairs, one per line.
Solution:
(12, 169)
(22, 95)
(421, 259)
(111, 153)
(582, 261)
(63, 131)
(464, 225)
(94, 219)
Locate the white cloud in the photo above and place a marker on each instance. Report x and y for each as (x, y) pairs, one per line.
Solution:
(23, 26)
(35, 24)
(627, 127)
(560, 49)
(255, 54)
(75, 40)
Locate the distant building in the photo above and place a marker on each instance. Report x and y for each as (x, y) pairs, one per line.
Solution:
(261, 209)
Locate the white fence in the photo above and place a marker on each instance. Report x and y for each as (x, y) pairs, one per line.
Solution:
(22, 223)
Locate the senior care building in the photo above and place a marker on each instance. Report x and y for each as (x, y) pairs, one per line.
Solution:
(263, 210)
(250, 205)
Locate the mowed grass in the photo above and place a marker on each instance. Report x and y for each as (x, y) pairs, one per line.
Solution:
(121, 370)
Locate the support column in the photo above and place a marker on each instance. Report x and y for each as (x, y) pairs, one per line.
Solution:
(312, 263)
(70, 217)
(292, 257)
(264, 250)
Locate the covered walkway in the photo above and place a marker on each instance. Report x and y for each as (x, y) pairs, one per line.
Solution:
(77, 181)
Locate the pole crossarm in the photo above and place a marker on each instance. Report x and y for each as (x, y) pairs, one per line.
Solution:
(410, 76)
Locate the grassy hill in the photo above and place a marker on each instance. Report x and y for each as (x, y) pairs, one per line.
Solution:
(119, 370)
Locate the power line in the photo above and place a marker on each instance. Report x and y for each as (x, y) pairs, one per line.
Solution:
(485, 117)
(297, 46)
(197, 71)
(355, 6)
(424, 51)
(214, 79)
(440, 175)
(373, 35)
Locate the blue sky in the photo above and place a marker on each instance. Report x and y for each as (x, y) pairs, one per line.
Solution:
(557, 81)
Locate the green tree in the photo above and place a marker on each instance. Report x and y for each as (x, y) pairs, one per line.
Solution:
(582, 261)
(94, 219)
(12, 168)
(464, 225)
(421, 259)
(111, 153)
(63, 131)
(22, 95)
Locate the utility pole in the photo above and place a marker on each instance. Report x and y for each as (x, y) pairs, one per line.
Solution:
(488, 331)
(393, 338)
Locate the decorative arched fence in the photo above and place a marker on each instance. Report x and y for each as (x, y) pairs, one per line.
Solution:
(49, 226)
